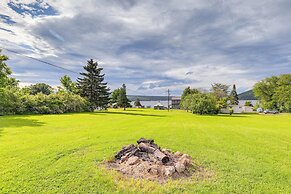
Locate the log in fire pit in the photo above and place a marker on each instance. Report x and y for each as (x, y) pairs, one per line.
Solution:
(147, 160)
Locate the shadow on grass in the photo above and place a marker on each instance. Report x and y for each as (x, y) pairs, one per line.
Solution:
(133, 110)
(15, 122)
(128, 113)
(234, 115)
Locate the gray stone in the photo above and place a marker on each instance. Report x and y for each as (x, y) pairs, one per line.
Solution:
(178, 154)
(185, 159)
(132, 160)
(169, 170)
(180, 167)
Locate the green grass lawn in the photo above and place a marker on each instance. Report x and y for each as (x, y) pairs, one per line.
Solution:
(64, 153)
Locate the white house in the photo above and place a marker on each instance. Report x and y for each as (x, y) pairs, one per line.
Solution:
(240, 108)
(159, 106)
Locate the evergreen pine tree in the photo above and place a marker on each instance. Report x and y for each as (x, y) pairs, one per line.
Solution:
(233, 96)
(137, 102)
(92, 86)
(122, 98)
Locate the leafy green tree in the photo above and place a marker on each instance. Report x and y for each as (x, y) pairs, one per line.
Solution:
(137, 102)
(185, 99)
(114, 96)
(203, 103)
(264, 91)
(186, 102)
(68, 84)
(122, 99)
(5, 72)
(10, 101)
(274, 92)
(219, 90)
(40, 88)
(221, 103)
(92, 86)
(233, 97)
(282, 95)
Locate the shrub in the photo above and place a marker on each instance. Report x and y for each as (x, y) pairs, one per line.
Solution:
(204, 104)
(248, 103)
(13, 101)
(54, 103)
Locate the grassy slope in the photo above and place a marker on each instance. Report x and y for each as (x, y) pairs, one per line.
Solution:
(62, 153)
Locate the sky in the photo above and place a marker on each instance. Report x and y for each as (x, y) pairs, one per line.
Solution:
(151, 46)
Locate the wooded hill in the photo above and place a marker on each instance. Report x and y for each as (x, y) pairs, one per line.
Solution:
(247, 95)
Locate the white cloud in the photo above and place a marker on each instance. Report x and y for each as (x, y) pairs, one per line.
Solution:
(153, 44)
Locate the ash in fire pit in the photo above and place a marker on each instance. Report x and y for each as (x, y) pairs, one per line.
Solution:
(147, 160)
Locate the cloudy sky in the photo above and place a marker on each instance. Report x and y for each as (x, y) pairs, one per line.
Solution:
(149, 45)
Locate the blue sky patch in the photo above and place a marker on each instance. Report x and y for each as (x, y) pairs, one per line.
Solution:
(6, 19)
(36, 9)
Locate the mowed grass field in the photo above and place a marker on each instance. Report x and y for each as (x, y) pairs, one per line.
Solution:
(65, 153)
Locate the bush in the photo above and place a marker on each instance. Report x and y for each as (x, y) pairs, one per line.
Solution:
(54, 103)
(10, 102)
(248, 103)
(203, 104)
(13, 101)
(230, 111)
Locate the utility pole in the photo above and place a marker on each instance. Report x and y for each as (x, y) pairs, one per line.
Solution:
(168, 100)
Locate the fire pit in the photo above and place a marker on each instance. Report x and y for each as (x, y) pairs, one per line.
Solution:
(147, 160)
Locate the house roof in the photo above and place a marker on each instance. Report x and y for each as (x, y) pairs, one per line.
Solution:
(176, 98)
(158, 104)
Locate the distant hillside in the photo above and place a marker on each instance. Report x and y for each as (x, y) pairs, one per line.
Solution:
(247, 95)
(147, 98)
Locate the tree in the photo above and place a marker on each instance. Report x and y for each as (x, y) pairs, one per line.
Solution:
(40, 88)
(137, 103)
(221, 103)
(122, 100)
(68, 84)
(282, 95)
(114, 96)
(92, 86)
(233, 97)
(185, 99)
(274, 92)
(203, 103)
(219, 90)
(5, 72)
(264, 91)
(186, 102)
(10, 101)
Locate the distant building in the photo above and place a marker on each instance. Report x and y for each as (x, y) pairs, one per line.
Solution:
(159, 106)
(175, 102)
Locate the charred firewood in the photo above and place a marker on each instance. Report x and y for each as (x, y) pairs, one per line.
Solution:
(155, 151)
(148, 141)
(146, 148)
(143, 140)
(161, 156)
(131, 149)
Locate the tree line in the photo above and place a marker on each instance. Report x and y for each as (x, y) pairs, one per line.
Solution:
(274, 93)
(88, 93)
(204, 102)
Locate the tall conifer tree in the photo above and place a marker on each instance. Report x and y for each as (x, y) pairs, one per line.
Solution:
(92, 86)
(122, 98)
(233, 96)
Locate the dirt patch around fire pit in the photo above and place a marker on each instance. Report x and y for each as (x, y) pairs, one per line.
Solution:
(147, 160)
